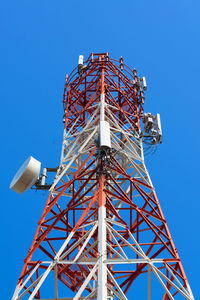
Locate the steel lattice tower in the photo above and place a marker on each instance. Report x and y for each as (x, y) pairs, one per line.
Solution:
(102, 226)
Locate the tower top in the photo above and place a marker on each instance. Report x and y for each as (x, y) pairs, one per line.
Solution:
(124, 90)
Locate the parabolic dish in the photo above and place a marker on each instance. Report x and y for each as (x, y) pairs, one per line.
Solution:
(26, 176)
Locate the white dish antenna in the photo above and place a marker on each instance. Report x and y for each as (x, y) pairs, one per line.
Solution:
(26, 176)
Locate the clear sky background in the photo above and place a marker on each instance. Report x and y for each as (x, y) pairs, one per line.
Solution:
(40, 43)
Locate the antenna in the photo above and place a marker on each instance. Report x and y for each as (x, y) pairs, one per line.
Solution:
(26, 176)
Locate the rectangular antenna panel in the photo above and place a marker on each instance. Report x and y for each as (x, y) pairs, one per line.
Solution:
(158, 125)
(104, 134)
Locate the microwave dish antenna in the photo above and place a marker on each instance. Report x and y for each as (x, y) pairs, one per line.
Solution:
(26, 176)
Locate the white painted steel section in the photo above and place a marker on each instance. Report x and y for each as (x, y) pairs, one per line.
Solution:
(102, 270)
(85, 243)
(64, 245)
(73, 158)
(29, 288)
(91, 274)
(190, 292)
(16, 292)
(74, 246)
(171, 283)
(176, 279)
(121, 249)
(45, 274)
(117, 286)
(163, 284)
(27, 279)
(26, 175)
(149, 282)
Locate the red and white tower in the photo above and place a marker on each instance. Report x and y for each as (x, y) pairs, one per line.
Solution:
(102, 226)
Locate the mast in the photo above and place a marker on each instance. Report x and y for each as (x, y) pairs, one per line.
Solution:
(102, 226)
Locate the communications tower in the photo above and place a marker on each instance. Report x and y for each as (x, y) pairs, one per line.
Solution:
(102, 227)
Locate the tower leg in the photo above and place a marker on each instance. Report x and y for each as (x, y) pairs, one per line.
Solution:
(102, 270)
(149, 282)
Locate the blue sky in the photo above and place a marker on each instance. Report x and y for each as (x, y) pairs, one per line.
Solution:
(40, 43)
